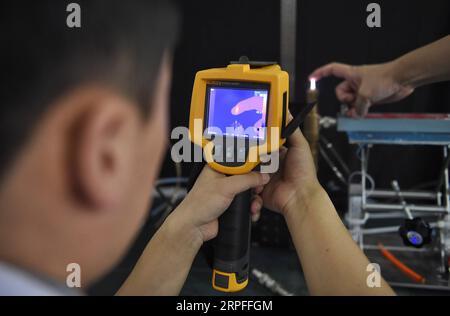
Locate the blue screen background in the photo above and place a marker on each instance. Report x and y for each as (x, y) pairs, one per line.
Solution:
(222, 101)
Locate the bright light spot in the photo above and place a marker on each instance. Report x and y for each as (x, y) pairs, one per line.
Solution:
(312, 84)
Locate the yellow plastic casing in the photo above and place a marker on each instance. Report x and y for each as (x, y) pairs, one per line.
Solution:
(278, 96)
(233, 285)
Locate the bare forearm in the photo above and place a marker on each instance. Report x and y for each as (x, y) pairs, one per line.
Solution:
(333, 264)
(425, 65)
(165, 263)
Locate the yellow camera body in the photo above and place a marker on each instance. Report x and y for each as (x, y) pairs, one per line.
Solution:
(238, 114)
(268, 82)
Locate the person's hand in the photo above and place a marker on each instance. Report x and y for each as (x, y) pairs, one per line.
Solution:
(210, 197)
(296, 180)
(364, 86)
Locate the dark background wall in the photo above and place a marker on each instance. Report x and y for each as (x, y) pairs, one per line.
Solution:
(215, 32)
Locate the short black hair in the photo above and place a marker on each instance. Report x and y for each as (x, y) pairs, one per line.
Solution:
(120, 43)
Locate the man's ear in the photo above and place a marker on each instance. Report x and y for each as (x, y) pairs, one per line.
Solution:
(104, 149)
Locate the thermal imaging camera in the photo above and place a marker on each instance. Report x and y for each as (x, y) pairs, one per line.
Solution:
(238, 115)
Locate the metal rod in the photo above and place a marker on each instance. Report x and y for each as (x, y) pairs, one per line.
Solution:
(363, 178)
(426, 195)
(446, 181)
(397, 248)
(386, 229)
(380, 230)
(394, 214)
(439, 198)
(396, 187)
(444, 252)
(288, 41)
(412, 208)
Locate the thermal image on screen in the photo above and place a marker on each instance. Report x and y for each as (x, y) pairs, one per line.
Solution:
(241, 111)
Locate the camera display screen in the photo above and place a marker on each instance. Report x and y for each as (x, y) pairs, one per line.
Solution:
(237, 111)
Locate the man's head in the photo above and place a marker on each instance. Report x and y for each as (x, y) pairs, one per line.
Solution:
(83, 126)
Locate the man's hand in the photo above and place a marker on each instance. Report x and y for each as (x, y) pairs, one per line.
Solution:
(296, 179)
(210, 197)
(318, 234)
(364, 86)
(165, 263)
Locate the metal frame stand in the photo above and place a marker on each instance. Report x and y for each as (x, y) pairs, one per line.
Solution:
(363, 207)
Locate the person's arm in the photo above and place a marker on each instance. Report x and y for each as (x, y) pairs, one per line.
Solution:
(367, 85)
(165, 263)
(332, 262)
(425, 65)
